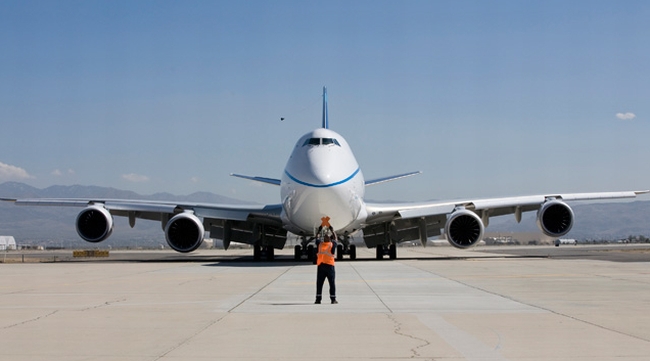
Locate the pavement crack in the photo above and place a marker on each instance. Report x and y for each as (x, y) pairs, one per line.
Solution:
(398, 331)
(107, 303)
(371, 289)
(538, 307)
(30, 320)
(187, 339)
(260, 290)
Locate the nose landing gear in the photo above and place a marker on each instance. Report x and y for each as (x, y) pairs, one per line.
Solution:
(305, 250)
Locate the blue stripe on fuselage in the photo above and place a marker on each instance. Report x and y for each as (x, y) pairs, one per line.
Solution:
(322, 185)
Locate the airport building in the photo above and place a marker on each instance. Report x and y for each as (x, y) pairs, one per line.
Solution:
(7, 243)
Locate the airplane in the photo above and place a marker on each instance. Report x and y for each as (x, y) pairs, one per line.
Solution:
(322, 184)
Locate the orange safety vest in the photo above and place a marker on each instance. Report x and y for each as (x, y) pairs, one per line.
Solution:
(325, 254)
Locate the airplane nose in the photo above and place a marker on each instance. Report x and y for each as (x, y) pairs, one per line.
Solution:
(322, 176)
(308, 207)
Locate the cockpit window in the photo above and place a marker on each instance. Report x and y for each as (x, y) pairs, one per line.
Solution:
(321, 141)
(312, 141)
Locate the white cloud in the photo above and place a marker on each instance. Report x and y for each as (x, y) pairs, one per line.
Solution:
(10, 172)
(625, 116)
(135, 178)
(59, 173)
(195, 179)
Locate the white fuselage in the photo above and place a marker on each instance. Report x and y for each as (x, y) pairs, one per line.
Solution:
(322, 179)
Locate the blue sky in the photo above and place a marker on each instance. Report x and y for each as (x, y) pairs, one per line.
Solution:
(487, 98)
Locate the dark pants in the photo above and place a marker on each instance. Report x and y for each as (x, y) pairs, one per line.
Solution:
(325, 271)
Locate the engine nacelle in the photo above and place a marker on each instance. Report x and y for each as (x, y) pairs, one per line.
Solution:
(94, 224)
(464, 229)
(184, 232)
(555, 218)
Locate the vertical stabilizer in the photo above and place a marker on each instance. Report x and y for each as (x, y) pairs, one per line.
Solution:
(326, 124)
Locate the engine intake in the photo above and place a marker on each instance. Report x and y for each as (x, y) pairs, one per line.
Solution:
(94, 224)
(184, 232)
(464, 229)
(555, 218)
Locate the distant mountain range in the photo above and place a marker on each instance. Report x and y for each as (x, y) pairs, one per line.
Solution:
(54, 226)
(22, 190)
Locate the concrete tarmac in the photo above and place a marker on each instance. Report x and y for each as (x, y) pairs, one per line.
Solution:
(437, 303)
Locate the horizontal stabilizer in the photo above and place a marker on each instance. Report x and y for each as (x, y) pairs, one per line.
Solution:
(391, 178)
(258, 179)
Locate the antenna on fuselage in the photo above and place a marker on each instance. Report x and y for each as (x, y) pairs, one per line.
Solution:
(326, 124)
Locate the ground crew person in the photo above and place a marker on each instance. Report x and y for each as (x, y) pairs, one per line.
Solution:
(325, 266)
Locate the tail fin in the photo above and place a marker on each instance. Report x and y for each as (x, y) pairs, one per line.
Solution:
(326, 124)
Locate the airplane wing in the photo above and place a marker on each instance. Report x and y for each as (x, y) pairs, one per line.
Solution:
(391, 178)
(258, 179)
(463, 221)
(180, 221)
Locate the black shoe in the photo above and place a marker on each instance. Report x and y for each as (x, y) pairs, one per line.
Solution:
(317, 301)
(334, 301)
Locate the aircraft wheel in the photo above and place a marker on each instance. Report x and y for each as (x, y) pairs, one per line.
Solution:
(257, 252)
(353, 252)
(297, 252)
(339, 252)
(380, 251)
(270, 253)
(392, 251)
(311, 253)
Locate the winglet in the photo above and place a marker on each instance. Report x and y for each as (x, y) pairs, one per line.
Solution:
(325, 117)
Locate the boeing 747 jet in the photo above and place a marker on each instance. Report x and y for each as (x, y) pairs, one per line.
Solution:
(322, 182)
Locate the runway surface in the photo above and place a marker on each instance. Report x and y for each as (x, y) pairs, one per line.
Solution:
(504, 303)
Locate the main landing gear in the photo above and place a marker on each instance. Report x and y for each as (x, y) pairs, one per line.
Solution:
(391, 251)
(263, 252)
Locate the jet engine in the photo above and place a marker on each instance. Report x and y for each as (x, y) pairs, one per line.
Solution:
(464, 229)
(555, 218)
(94, 224)
(184, 232)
